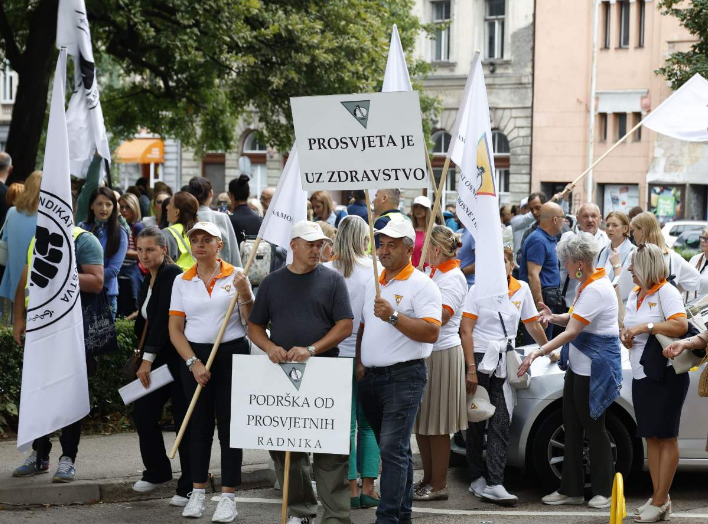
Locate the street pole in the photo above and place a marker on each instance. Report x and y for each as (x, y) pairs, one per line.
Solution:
(591, 122)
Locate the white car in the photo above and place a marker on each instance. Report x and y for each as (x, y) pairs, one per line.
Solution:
(672, 230)
(536, 440)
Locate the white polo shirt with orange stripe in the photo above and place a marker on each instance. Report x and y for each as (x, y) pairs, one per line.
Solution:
(411, 293)
(488, 327)
(204, 309)
(595, 306)
(662, 302)
(453, 288)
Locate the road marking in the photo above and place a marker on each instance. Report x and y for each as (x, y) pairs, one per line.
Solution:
(509, 513)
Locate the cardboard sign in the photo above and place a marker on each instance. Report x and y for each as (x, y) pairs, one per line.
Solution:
(293, 406)
(360, 141)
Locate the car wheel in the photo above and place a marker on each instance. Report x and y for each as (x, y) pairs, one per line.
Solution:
(548, 448)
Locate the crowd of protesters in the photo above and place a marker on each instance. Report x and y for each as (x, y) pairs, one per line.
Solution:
(423, 352)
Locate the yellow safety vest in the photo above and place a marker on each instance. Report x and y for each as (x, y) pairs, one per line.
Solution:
(185, 259)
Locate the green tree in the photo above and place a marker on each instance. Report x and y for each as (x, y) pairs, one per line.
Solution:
(680, 66)
(190, 69)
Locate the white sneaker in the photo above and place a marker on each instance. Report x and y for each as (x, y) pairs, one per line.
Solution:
(143, 486)
(556, 499)
(500, 495)
(477, 487)
(298, 520)
(195, 507)
(600, 502)
(226, 510)
(179, 501)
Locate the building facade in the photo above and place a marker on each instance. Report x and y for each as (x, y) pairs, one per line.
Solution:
(633, 40)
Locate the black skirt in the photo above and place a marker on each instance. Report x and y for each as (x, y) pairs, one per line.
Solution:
(658, 405)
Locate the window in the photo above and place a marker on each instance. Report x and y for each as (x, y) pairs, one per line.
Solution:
(450, 182)
(441, 17)
(494, 23)
(624, 24)
(503, 180)
(252, 145)
(608, 24)
(602, 127)
(500, 143)
(621, 123)
(8, 89)
(641, 22)
(636, 118)
(256, 152)
(441, 142)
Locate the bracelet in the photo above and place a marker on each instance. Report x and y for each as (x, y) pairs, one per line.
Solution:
(471, 371)
(693, 344)
(249, 301)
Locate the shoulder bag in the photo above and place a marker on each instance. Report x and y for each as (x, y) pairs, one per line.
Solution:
(130, 368)
(100, 335)
(513, 362)
(687, 359)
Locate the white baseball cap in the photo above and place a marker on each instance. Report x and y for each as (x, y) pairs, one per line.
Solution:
(208, 227)
(397, 228)
(524, 202)
(309, 231)
(422, 200)
(478, 406)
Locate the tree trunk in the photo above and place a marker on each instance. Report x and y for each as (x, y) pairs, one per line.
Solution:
(29, 110)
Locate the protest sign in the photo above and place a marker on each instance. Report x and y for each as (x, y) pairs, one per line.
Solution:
(293, 406)
(360, 141)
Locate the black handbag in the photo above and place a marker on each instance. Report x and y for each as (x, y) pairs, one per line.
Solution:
(100, 335)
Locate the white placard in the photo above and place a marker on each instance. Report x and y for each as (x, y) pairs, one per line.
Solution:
(360, 141)
(291, 407)
(158, 377)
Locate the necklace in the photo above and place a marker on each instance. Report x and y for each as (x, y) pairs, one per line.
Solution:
(208, 282)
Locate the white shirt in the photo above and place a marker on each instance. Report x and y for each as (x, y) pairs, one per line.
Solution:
(357, 282)
(488, 327)
(410, 293)
(596, 307)
(601, 239)
(453, 290)
(662, 302)
(626, 284)
(700, 262)
(204, 310)
(686, 275)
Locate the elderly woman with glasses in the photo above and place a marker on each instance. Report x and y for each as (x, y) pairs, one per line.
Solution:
(700, 262)
(591, 354)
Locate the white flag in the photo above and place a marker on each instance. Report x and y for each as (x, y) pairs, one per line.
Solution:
(87, 131)
(477, 198)
(288, 206)
(396, 77)
(54, 383)
(684, 115)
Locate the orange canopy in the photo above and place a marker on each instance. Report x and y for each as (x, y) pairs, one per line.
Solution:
(141, 151)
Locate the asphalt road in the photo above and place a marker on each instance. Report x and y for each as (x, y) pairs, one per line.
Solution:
(689, 495)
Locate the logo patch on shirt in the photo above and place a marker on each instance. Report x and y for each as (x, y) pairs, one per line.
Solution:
(227, 287)
(517, 304)
(398, 299)
(652, 305)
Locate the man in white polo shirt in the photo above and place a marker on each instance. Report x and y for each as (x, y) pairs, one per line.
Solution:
(397, 333)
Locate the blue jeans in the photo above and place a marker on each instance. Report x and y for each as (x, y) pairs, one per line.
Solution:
(390, 398)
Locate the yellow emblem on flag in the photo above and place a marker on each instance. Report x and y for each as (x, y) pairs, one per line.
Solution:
(652, 305)
(398, 299)
(484, 170)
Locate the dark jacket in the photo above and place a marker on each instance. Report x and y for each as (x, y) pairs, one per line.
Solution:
(245, 221)
(158, 310)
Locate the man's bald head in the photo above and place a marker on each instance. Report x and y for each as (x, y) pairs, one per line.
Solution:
(589, 218)
(551, 218)
(5, 165)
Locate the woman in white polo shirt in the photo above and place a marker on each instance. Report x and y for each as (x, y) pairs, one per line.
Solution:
(444, 408)
(200, 299)
(658, 393)
(485, 330)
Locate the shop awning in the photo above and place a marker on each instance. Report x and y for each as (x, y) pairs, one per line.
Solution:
(141, 151)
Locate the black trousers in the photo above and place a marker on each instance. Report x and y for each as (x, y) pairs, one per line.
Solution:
(214, 403)
(69, 440)
(147, 414)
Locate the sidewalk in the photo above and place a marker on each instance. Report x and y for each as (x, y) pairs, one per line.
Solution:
(106, 469)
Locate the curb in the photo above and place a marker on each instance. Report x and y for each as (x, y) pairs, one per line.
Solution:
(41, 491)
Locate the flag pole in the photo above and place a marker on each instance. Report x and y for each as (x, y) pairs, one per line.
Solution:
(436, 208)
(372, 241)
(286, 486)
(574, 182)
(212, 355)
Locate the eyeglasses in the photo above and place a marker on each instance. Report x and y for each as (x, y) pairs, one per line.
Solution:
(704, 239)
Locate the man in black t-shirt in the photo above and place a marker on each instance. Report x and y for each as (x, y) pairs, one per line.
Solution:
(308, 309)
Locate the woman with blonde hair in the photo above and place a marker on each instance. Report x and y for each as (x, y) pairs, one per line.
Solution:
(323, 208)
(130, 210)
(350, 259)
(18, 230)
(443, 410)
(646, 230)
(617, 255)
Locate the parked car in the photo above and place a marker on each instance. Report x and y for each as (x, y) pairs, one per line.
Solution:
(672, 230)
(689, 243)
(537, 435)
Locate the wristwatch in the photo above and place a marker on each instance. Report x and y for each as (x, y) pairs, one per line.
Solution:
(650, 327)
(311, 349)
(393, 319)
(190, 362)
